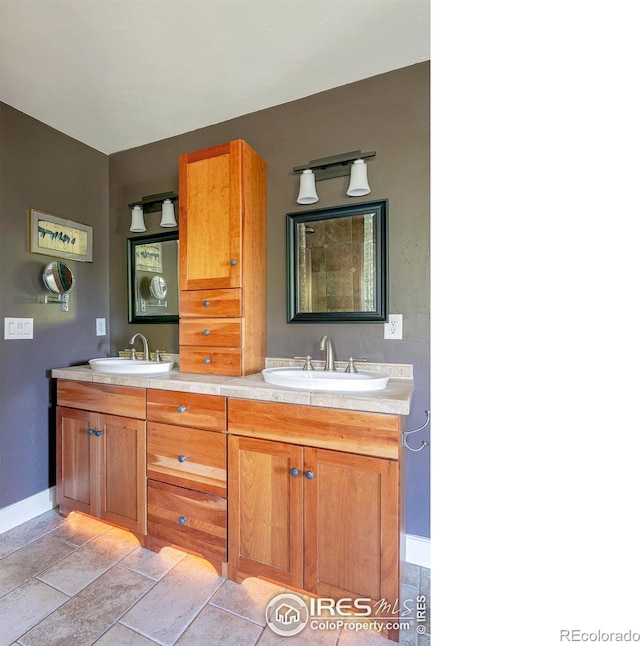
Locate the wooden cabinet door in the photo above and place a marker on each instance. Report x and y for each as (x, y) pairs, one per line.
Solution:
(210, 218)
(77, 478)
(265, 510)
(122, 460)
(351, 525)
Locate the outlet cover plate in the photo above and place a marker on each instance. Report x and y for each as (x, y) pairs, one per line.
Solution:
(393, 329)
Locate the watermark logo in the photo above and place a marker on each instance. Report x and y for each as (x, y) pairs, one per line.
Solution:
(287, 615)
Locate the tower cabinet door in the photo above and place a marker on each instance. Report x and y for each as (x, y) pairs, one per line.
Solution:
(351, 525)
(265, 510)
(210, 218)
(77, 479)
(122, 461)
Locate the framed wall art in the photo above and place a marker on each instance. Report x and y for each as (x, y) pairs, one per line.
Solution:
(53, 236)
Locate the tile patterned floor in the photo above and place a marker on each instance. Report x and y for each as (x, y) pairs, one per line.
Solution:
(76, 581)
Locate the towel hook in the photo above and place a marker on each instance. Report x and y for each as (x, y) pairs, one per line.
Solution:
(424, 442)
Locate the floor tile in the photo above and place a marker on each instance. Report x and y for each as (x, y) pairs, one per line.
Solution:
(215, 627)
(248, 599)
(308, 637)
(20, 566)
(80, 529)
(91, 560)
(152, 564)
(23, 608)
(119, 635)
(363, 638)
(166, 611)
(14, 539)
(89, 614)
(411, 574)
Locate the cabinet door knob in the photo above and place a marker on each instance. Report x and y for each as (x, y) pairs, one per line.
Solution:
(234, 261)
(309, 475)
(294, 472)
(182, 458)
(206, 303)
(182, 520)
(181, 409)
(206, 332)
(98, 433)
(206, 360)
(90, 431)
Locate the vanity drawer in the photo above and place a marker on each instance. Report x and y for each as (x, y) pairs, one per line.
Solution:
(189, 519)
(210, 332)
(211, 302)
(373, 434)
(187, 457)
(210, 361)
(187, 409)
(102, 398)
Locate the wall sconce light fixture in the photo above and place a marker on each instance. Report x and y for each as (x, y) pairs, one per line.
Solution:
(336, 166)
(149, 204)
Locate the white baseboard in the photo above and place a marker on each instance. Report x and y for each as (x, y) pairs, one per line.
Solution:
(418, 550)
(21, 512)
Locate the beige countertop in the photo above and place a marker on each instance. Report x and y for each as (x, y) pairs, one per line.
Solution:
(394, 399)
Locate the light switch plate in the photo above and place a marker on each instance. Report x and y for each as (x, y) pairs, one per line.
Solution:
(101, 327)
(18, 328)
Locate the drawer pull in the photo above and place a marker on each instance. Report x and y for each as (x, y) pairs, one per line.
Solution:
(206, 360)
(294, 472)
(206, 332)
(98, 433)
(90, 431)
(182, 409)
(309, 475)
(234, 261)
(182, 520)
(182, 458)
(206, 303)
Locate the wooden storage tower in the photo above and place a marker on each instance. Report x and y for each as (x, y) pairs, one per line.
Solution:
(223, 257)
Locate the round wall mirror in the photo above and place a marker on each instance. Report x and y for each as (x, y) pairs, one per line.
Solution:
(158, 287)
(58, 278)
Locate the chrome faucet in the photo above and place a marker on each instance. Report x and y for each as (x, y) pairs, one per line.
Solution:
(145, 346)
(325, 344)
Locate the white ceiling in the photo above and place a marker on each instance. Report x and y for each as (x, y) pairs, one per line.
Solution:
(116, 74)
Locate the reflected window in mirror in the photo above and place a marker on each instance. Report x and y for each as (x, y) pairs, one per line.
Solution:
(153, 278)
(337, 263)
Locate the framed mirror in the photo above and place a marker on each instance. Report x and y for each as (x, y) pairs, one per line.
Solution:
(337, 263)
(152, 267)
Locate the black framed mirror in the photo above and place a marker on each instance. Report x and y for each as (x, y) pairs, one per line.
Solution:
(337, 263)
(152, 267)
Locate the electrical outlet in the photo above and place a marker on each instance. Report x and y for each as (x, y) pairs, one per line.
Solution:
(393, 329)
(101, 327)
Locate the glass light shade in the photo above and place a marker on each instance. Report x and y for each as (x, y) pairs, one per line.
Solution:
(307, 194)
(168, 215)
(359, 184)
(137, 219)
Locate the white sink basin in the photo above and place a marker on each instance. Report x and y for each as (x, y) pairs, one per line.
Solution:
(320, 380)
(122, 366)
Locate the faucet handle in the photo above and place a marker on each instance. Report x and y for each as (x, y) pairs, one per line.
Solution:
(351, 366)
(158, 359)
(307, 362)
(133, 354)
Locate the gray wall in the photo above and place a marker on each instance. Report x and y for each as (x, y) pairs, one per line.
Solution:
(44, 169)
(387, 113)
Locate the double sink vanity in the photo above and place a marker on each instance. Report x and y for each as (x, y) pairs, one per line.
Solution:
(299, 486)
(277, 468)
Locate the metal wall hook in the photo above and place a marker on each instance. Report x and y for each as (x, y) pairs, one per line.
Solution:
(424, 442)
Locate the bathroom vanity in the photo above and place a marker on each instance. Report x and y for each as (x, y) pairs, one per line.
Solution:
(298, 487)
